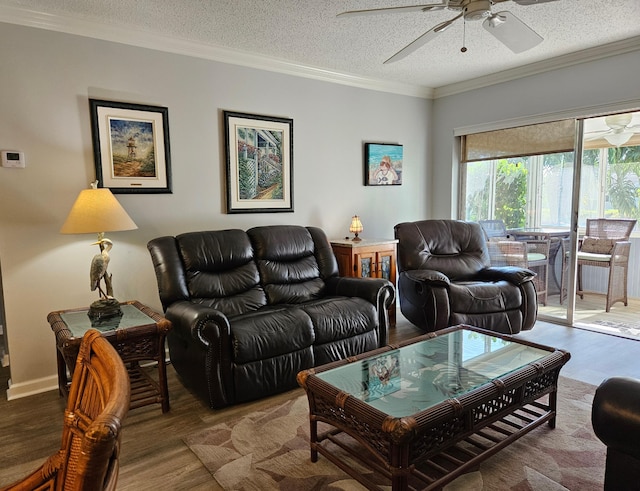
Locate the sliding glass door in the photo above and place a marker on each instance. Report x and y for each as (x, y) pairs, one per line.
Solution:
(541, 183)
(610, 189)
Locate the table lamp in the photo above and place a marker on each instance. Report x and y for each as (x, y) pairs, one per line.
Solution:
(96, 210)
(356, 228)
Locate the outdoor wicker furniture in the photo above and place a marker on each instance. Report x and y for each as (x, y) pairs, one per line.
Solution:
(523, 249)
(606, 245)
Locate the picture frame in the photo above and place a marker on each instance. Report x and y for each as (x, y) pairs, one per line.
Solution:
(383, 164)
(259, 175)
(131, 146)
(382, 375)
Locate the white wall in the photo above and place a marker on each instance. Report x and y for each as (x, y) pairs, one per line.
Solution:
(574, 91)
(46, 79)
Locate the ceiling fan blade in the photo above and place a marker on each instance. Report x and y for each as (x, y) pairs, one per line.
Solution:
(596, 135)
(532, 2)
(422, 40)
(391, 10)
(512, 32)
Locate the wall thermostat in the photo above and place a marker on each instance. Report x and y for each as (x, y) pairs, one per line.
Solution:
(12, 158)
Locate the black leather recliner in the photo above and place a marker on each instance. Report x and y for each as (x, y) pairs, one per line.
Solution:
(615, 416)
(445, 279)
(252, 309)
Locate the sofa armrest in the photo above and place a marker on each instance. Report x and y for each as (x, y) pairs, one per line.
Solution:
(199, 322)
(202, 332)
(615, 414)
(374, 290)
(434, 278)
(378, 291)
(512, 274)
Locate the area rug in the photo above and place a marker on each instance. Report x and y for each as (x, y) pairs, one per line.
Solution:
(269, 450)
(630, 330)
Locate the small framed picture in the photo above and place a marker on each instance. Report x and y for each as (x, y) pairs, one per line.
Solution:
(131, 147)
(259, 163)
(383, 375)
(382, 164)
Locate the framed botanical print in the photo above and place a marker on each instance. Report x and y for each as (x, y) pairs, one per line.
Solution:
(131, 147)
(382, 164)
(259, 163)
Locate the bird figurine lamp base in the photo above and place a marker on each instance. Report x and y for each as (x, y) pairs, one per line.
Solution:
(105, 308)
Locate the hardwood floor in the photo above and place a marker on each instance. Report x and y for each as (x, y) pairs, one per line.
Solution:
(154, 456)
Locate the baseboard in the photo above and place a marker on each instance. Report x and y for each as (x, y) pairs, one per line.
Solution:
(17, 391)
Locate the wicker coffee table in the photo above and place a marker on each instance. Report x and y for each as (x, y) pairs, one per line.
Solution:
(422, 413)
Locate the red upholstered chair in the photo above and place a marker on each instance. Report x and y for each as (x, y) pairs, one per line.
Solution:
(606, 245)
(98, 403)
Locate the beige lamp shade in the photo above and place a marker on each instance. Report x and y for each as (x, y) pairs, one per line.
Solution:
(97, 210)
(356, 227)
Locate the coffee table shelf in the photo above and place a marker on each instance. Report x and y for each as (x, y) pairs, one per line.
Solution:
(462, 422)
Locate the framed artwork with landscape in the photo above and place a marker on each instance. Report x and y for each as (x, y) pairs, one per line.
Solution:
(259, 163)
(131, 147)
(382, 164)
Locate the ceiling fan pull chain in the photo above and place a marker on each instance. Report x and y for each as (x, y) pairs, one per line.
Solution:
(464, 36)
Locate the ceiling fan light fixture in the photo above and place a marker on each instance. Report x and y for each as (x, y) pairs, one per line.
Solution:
(495, 20)
(478, 10)
(618, 139)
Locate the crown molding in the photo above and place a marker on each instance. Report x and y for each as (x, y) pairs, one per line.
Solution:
(145, 39)
(570, 59)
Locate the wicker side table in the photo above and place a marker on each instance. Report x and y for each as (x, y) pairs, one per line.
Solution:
(138, 335)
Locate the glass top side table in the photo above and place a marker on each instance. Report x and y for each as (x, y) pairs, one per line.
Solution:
(137, 335)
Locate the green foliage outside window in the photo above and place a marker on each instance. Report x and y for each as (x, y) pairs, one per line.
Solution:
(511, 193)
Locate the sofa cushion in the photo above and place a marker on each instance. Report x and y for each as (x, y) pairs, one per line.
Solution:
(335, 318)
(597, 245)
(220, 271)
(474, 297)
(287, 264)
(268, 333)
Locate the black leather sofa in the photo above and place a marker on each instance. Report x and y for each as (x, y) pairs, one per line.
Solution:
(251, 309)
(615, 416)
(445, 279)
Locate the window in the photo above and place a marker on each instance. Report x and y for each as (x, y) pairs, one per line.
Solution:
(610, 183)
(529, 191)
(534, 189)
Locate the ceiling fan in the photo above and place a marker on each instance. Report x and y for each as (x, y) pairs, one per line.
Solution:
(505, 26)
(620, 129)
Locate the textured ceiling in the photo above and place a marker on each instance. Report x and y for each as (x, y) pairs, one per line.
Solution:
(307, 32)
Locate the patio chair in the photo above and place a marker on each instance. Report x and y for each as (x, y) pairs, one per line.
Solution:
(606, 245)
(531, 254)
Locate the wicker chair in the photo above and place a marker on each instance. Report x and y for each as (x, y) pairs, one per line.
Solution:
(98, 402)
(530, 254)
(606, 245)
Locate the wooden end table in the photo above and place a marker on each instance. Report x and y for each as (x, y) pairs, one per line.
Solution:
(368, 258)
(137, 335)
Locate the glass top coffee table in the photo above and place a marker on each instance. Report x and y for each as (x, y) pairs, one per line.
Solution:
(422, 413)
